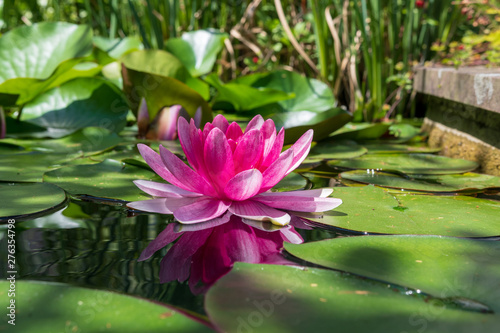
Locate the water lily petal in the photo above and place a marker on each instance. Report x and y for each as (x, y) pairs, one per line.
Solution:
(192, 145)
(197, 117)
(274, 152)
(320, 192)
(218, 159)
(291, 236)
(244, 185)
(301, 149)
(151, 205)
(256, 211)
(190, 178)
(167, 236)
(255, 123)
(248, 152)
(201, 210)
(234, 131)
(163, 190)
(298, 203)
(207, 129)
(221, 123)
(277, 170)
(215, 222)
(155, 162)
(269, 135)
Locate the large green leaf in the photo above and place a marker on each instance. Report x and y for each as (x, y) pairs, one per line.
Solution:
(381, 147)
(32, 57)
(323, 123)
(328, 150)
(243, 97)
(113, 49)
(442, 266)
(197, 50)
(269, 298)
(408, 163)
(20, 200)
(77, 104)
(44, 307)
(162, 80)
(109, 179)
(310, 94)
(428, 183)
(369, 209)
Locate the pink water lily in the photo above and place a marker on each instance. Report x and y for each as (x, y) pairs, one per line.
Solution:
(231, 170)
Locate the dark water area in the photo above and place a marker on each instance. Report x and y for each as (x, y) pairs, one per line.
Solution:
(96, 246)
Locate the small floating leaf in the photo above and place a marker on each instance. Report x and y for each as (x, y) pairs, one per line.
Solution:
(408, 163)
(22, 200)
(429, 183)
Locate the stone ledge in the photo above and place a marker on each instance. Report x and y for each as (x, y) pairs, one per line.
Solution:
(476, 86)
(457, 144)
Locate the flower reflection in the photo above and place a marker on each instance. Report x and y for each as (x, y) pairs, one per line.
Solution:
(204, 253)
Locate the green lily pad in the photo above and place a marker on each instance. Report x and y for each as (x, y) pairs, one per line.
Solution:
(447, 267)
(408, 163)
(470, 182)
(6, 148)
(21, 200)
(109, 179)
(380, 147)
(310, 94)
(269, 298)
(162, 80)
(335, 150)
(88, 310)
(360, 131)
(28, 167)
(243, 97)
(77, 104)
(369, 209)
(403, 132)
(291, 182)
(85, 142)
(323, 123)
(197, 50)
(17, 128)
(32, 57)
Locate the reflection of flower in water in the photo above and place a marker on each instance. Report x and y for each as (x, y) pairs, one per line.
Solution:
(203, 255)
(231, 171)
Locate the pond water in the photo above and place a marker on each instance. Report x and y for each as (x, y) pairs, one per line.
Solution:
(95, 243)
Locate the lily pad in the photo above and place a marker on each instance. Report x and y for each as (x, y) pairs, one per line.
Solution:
(28, 167)
(292, 182)
(87, 310)
(323, 123)
(369, 209)
(470, 182)
(87, 141)
(77, 104)
(114, 48)
(360, 131)
(22, 200)
(31, 57)
(335, 150)
(269, 298)
(444, 266)
(109, 179)
(408, 163)
(197, 50)
(380, 147)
